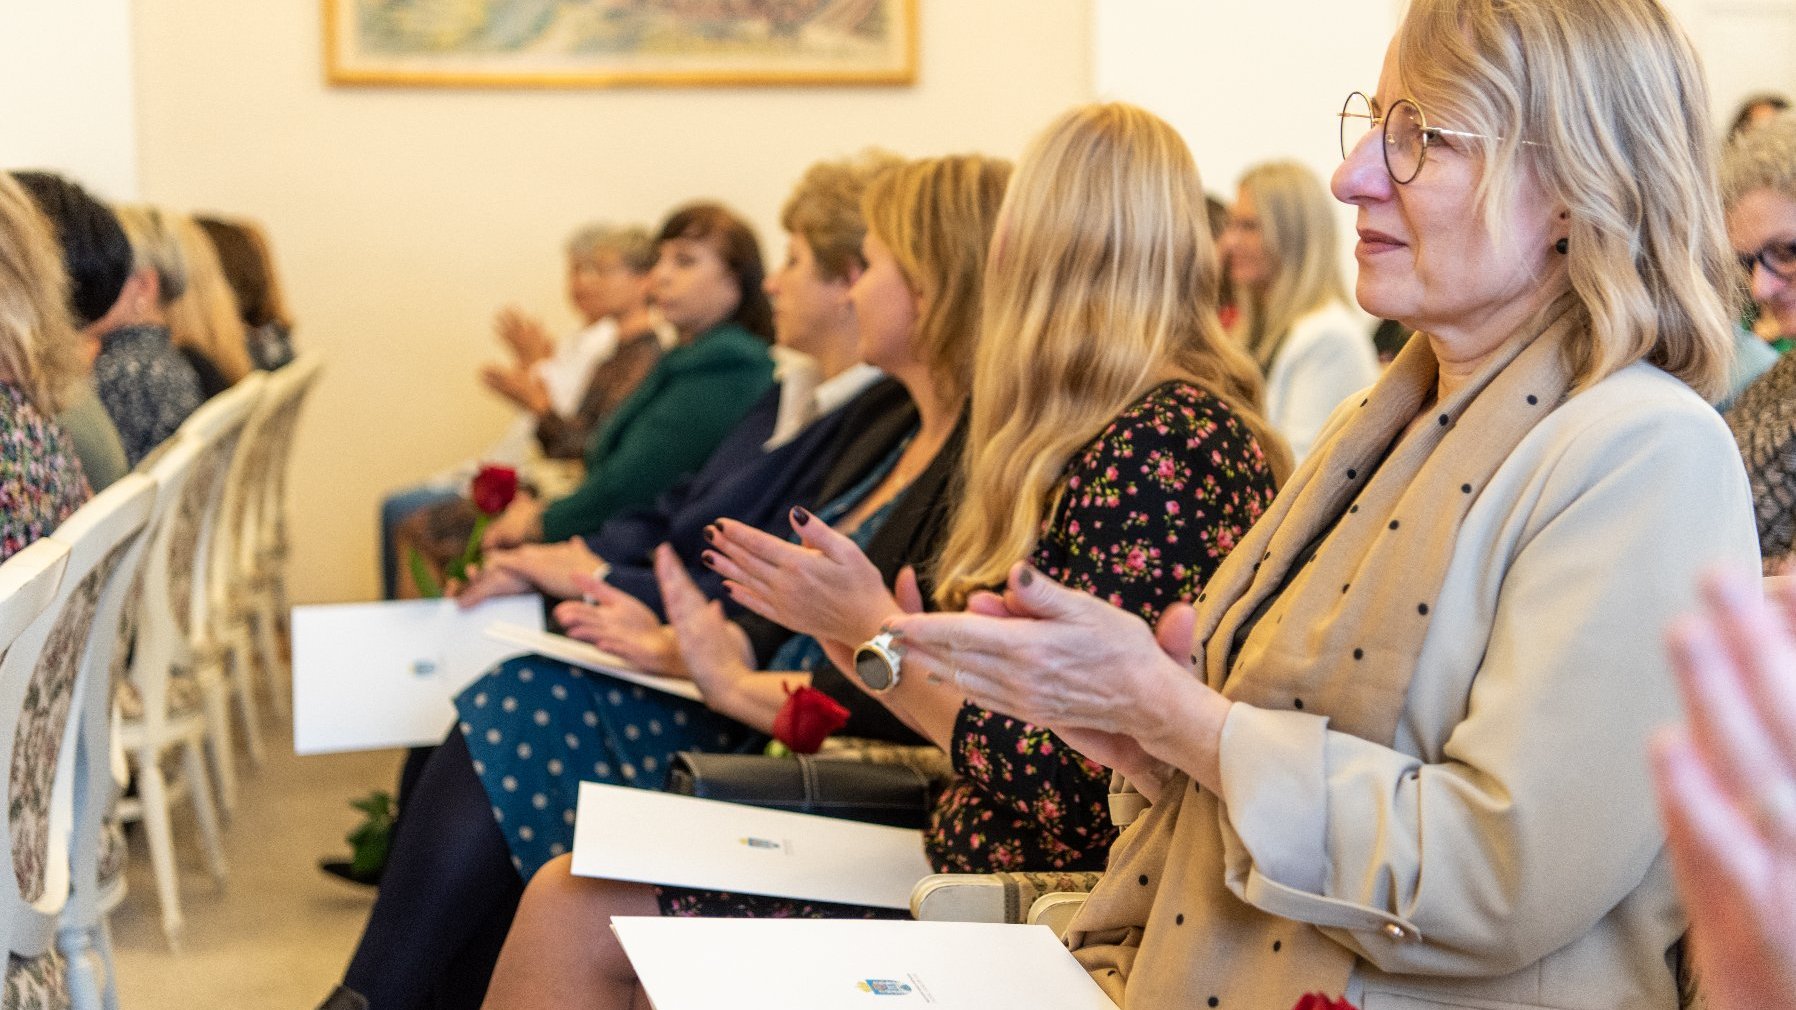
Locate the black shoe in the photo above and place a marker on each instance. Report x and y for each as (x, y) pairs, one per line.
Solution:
(345, 870)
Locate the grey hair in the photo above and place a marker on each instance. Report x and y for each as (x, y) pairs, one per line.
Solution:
(632, 244)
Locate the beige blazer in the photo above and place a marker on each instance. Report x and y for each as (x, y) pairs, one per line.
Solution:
(1506, 851)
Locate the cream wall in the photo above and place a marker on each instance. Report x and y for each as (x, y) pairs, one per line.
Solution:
(66, 91)
(403, 218)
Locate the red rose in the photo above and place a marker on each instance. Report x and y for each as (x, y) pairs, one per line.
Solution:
(494, 488)
(1317, 1001)
(807, 719)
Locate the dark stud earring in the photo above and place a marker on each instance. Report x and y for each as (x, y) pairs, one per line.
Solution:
(1562, 246)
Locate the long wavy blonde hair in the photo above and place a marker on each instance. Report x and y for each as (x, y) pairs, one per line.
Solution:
(1605, 103)
(38, 351)
(206, 317)
(1298, 234)
(1102, 285)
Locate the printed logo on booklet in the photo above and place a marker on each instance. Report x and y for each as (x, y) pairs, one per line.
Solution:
(885, 987)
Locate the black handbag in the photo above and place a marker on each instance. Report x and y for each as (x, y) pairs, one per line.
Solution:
(891, 794)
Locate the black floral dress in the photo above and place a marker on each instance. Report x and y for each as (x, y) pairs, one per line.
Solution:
(1151, 507)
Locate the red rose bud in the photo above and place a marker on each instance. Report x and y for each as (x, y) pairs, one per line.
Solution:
(1318, 1001)
(807, 719)
(494, 488)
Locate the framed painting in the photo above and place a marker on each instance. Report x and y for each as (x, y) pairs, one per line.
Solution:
(609, 43)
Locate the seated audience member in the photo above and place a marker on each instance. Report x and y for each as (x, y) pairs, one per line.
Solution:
(1408, 764)
(248, 266)
(460, 856)
(97, 257)
(830, 413)
(204, 323)
(577, 385)
(1758, 182)
(1112, 440)
(707, 286)
(1283, 262)
(566, 393)
(1756, 111)
(1727, 788)
(146, 386)
(41, 482)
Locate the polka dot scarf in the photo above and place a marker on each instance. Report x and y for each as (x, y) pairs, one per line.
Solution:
(1334, 585)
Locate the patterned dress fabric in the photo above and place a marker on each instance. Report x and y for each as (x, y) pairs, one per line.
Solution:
(1763, 420)
(146, 386)
(1150, 507)
(537, 728)
(41, 481)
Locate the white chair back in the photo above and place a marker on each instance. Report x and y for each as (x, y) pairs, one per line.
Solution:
(124, 509)
(218, 424)
(160, 642)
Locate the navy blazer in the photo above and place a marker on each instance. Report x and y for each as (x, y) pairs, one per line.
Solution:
(744, 482)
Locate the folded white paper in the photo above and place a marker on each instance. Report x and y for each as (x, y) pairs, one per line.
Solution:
(840, 964)
(368, 676)
(572, 650)
(663, 838)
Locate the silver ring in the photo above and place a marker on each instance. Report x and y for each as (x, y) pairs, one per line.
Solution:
(1773, 810)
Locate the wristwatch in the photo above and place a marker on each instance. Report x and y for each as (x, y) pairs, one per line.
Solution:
(877, 661)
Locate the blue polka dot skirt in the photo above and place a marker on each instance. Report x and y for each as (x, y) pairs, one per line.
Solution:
(536, 728)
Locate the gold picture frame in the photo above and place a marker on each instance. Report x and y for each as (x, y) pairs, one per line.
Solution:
(620, 43)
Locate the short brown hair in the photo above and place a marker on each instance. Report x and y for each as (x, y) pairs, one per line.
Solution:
(825, 210)
(735, 241)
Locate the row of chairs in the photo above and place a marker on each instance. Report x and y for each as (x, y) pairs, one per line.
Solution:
(129, 635)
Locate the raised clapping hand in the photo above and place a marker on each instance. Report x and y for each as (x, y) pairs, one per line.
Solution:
(1727, 787)
(823, 586)
(621, 624)
(529, 342)
(713, 649)
(1107, 684)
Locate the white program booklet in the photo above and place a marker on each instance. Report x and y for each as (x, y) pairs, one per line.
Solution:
(581, 654)
(367, 676)
(844, 964)
(681, 841)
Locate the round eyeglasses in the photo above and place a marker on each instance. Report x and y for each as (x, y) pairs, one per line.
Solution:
(1777, 257)
(1405, 136)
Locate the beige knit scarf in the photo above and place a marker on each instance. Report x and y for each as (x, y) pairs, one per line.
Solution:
(1386, 493)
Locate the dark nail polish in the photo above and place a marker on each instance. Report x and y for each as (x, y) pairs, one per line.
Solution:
(1025, 577)
(800, 516)
(710, 534)
(710, 559)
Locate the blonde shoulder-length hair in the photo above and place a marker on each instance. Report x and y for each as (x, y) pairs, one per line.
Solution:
(1102, 285)
(1299, 236)
(936, 215)
(1604, 103)
(39, 353)
(206, 317)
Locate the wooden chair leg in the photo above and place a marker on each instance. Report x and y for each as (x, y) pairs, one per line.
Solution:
(153, 792)
(200, 789)
(214, 692)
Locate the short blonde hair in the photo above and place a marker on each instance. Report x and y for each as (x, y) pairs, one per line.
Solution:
(1103, 286)
(38, 349)
(825, 210)
(1763, 157)
(206, 317)
(155, 247)
(1612, 103)
(1298, 232)
(936, 216)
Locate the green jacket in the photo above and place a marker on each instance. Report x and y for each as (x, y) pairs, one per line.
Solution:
(666, 429)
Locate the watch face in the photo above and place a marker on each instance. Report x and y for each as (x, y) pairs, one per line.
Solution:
(872, 666)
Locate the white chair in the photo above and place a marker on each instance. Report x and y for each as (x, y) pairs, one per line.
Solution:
(163, 711)
(202, 644)
(31, 593)
(109, 529)
(263, 546)
(250, 553)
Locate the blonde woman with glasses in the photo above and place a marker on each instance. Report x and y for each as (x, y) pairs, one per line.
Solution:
(1283, 261)
(1408, 763)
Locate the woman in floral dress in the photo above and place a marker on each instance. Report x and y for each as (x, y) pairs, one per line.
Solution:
(1113, 441)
